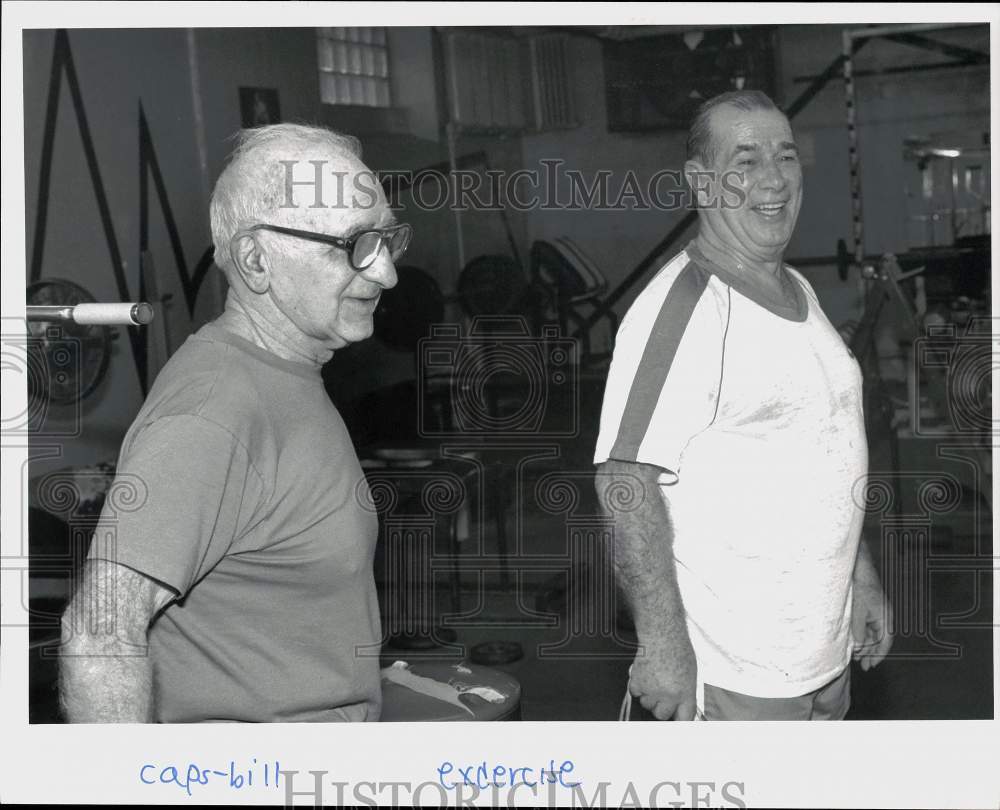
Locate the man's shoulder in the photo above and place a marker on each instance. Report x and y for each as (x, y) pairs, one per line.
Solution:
(667, 275)
(206, 377)
(680, 284)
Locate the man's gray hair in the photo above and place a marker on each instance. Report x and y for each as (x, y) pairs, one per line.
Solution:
(700, 143)
(252, 186)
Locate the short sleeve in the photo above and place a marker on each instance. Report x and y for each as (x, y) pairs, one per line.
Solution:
(185, 490)
(664, 381)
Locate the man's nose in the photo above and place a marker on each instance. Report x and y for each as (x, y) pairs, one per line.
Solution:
(773, 177)
(382, 270)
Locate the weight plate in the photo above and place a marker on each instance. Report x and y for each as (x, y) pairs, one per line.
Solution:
(73, 359)
(491, 653)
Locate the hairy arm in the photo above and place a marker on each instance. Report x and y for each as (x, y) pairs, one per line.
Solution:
(663, 675)
(105, 675)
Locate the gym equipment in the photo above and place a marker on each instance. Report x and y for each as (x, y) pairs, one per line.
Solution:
(844, 260)
(910, 34)
(878, 405)
(439, 691)
(573, 281)
(962, 173)
(94, 314)
(420, 494)
(491, 285)
(492, 653)
(71, 358)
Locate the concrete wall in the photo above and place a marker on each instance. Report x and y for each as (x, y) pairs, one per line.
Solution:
(230, 58)
(615, 239)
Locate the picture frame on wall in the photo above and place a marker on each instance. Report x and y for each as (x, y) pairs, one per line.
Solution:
(655, 83)
(259, 106)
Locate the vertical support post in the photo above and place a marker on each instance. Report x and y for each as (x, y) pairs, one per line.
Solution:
(954, 200)
(453, 168)
(456, 115)
(852, 148)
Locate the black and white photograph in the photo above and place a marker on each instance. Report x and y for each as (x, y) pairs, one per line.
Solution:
(528, 368)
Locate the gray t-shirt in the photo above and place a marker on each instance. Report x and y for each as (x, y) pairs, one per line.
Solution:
(257, 514)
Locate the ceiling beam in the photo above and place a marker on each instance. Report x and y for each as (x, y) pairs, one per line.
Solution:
(955, 51)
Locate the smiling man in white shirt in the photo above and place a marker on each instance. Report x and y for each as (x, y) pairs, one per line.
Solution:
(736, 408)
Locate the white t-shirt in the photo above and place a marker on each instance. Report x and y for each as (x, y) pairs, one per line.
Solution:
(755, 412)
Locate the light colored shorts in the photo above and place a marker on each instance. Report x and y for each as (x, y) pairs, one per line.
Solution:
(829, 702)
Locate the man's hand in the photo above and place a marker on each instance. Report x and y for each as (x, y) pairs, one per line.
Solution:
(663, 676)
(871, 614)
(664, 683)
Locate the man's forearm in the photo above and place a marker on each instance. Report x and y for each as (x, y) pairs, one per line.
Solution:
(105, 673)
(644, 569)
(664, 673)
(102, 683)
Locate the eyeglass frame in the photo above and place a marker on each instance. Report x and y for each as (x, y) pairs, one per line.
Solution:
(347, 245)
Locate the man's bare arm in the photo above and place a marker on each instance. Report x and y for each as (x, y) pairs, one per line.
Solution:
(663, 675)
(105, 675)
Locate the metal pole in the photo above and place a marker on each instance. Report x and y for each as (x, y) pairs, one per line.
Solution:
(954, 199)
(453, 164)
(125, 314)
(852, 148)
(903, 28)
(455, 115)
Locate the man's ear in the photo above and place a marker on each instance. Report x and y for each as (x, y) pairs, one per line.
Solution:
(251, 263)
(701, 182)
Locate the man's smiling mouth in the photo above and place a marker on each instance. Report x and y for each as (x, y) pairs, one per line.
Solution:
(769, 209)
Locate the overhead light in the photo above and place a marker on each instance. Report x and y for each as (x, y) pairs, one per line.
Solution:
(693, 38)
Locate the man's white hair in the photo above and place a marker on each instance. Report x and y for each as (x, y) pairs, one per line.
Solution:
(252, 186)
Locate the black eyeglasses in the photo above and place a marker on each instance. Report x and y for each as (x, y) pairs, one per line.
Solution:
(362, 249)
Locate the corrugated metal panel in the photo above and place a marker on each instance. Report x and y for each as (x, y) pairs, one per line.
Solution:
(484, 80)
(551, 82)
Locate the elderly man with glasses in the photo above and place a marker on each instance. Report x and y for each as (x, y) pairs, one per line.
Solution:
(240, 587)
